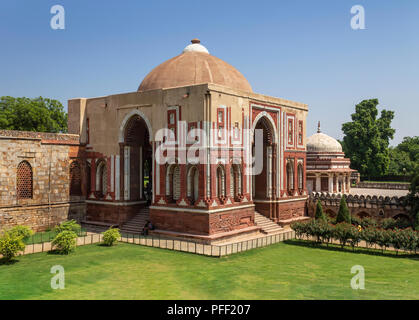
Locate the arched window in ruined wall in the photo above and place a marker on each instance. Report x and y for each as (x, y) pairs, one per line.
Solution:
(24, 181)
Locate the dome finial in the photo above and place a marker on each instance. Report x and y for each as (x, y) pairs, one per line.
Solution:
(195, 46)
(318, 128)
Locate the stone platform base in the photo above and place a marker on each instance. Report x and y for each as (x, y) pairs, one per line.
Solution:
(288, 222)
(209, 239)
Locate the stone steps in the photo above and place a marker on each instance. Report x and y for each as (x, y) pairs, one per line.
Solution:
(268, 226)
(136, 223)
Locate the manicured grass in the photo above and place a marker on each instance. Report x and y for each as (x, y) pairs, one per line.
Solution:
(46, 236)
(282, 271)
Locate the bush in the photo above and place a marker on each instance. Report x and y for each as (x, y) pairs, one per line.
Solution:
(384, 238)
(299, 228)
(388, 223)
(110, 236)
(368, 222)
(343, 214)
(354, 235)
(10, 245)
(356, 221)
(369, 235)
(65, 242)
(21, 231)
(402, 223)
(342, 232)
(319, 211)
(70, 225)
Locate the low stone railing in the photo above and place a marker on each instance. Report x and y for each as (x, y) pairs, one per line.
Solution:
(176, 245)
(382, 185)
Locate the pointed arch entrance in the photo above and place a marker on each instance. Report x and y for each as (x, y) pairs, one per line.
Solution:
(264, 183)
(137, 156)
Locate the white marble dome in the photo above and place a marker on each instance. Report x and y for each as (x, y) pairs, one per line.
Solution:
(320, 142)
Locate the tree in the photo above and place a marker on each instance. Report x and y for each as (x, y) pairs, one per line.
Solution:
(412, 198)
(404, 157)
(319, 212)
(366, 138)
(39, 114)
(343, 214)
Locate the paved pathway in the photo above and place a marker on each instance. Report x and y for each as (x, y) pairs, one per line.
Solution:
(378, 192)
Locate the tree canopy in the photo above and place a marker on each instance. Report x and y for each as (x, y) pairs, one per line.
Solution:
(366, 138)
(405, 157)
(39, 114)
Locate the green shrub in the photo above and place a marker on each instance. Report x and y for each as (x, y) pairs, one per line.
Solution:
(319, 211)
(356, 221)
(402, 223)
(343, 214)
(388, 223)
(369, 235)
(354, 235)
(70, 225)
(384, 238)
(111, 236)
(65, 241)
(10, 245)
(299, 229)
(21, 231)
(342, 232)
(368, 222)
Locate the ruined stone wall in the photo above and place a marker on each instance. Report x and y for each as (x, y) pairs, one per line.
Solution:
(361, 206)
(49, 156)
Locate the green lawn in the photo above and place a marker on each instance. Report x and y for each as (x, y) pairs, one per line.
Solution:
(46, 236)
(281, 271)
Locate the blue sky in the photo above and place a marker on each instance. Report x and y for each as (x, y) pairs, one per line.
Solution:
(299, 50)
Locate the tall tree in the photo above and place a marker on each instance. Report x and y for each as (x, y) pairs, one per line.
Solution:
(39, 114)
(366, 138)
(343, 214)
(319, 212)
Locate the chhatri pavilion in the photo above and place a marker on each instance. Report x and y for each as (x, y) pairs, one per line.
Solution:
(327, 168)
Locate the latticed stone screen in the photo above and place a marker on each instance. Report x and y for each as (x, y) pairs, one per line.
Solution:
(24, 180)
(75, 179)
(176, 183)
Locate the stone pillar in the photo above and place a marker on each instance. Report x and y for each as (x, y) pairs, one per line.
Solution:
(318, 183)
(335, 183)
(92, 178)
(127, 186)
(344, 184)
(141, 173)
(269, 172)
(331, 183)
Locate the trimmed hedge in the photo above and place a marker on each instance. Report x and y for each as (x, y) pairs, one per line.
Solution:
(350, 234)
